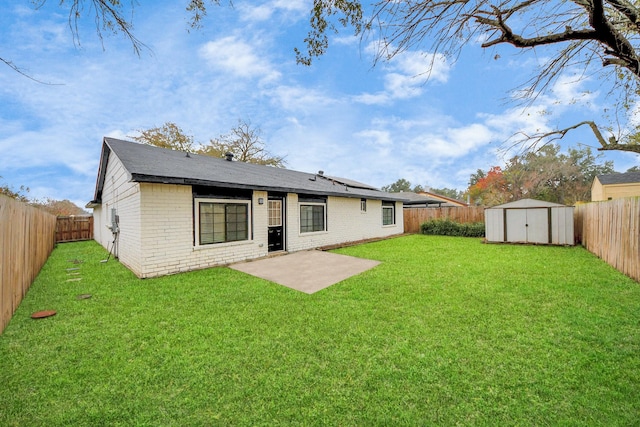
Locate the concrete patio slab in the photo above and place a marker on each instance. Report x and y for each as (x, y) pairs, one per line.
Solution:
(306, 271)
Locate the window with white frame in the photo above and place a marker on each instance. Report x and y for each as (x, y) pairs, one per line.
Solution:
(313, 214)
(388, 213)
(220, 221)
(274, 208)
(363, 205)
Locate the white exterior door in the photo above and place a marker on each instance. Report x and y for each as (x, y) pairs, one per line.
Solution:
(516, 225)
(538, 225)
(528, 225)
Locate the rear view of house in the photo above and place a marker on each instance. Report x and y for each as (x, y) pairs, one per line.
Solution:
(163, 211)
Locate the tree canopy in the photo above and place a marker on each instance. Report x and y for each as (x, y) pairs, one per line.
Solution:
(546, 174)
(243, 141)
(402, 185)
(169, 135)
(452, 193)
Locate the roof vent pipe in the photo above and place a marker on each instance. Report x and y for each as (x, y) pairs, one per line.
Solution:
(320, 173)
(228, 156)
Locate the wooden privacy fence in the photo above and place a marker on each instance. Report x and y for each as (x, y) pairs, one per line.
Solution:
(413, 217)
(74, 228)
(27, 237)
(611, 231)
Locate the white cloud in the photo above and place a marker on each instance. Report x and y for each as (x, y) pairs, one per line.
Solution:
(424, 65)
(300, 99)
(380, 98)
(238, 58)
(265, 11)
(408, 74)
(380, 138)
(569, 89)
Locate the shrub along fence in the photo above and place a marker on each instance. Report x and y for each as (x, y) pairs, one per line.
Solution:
(414, 217)
(27, 237)
(446, 227)
(611, 231)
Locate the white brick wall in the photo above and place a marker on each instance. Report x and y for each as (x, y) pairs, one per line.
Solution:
(124, 196)
(345, 223)
(157, 229)
(168, 233)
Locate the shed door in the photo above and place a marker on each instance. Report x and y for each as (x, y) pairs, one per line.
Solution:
(528, 225)
(538, 225)
(516, 225)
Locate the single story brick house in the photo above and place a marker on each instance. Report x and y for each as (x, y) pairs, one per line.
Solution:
(162, 211)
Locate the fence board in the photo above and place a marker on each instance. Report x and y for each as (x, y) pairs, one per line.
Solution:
(611, 231)
(27, 237)
(74, 228)
(414, 217)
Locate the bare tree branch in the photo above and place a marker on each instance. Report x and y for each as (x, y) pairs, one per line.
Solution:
(23, 73)
(605, 145)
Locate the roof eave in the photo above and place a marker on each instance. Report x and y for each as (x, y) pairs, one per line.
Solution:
(187, 181)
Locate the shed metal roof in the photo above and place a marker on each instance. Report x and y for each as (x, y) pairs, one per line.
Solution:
(527, 203)
(146, 163)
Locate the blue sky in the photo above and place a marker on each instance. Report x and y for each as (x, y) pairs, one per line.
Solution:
(342, 115)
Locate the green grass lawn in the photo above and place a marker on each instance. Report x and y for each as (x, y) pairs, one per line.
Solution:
(446, 331)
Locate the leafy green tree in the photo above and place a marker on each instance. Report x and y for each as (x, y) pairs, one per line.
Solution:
(169, 135)
(402, 185)
(546, 174)
(452, 193)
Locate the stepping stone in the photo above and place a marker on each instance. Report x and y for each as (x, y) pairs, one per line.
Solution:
(84, 296)
(43, 314)
(74, 280)
(73, 269)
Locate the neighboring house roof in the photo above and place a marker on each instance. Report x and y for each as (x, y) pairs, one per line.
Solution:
(419, 199)
(527, 203)
(619, 178)
(146, 163)
(427, 198)
(449, 200)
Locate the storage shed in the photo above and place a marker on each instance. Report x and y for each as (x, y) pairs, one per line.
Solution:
(530, 221)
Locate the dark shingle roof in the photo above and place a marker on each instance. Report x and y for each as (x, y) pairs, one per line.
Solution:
(619, 178)
(419, 199)
(147, 163)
